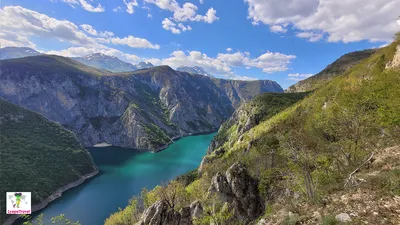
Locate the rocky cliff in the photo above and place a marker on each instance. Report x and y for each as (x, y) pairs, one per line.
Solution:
(145, 109)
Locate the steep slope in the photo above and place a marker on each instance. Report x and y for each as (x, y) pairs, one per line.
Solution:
(31, 146)
(193, 70)
(105, 62)
(321, 160)
(17, 52)
(145, 109)
(336, 68)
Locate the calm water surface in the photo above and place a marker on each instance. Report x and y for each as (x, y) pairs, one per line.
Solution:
(123, 173)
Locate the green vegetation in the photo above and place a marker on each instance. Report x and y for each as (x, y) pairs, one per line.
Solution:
(37, 155)
(335, 69)
(59, 220)
(306, 144)
(157, 135)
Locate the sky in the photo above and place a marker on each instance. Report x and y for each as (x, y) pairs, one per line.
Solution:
(281, 40)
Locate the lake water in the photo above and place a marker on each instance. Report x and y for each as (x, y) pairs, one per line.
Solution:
(123, 173)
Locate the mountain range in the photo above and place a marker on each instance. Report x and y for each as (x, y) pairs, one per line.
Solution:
(144, 109)
(193, 70)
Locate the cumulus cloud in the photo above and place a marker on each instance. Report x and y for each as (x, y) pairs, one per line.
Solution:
(298, 76)
(12, 39)
(229, 49)
(278, 29)
(345, 21)
(311, 36)
(24, 24)
(185, 13)
(269, 62)
(89, 29)
(134, 42)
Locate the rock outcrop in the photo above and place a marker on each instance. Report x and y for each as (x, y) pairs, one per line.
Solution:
(395, 63)
(146, 109)
(239, 189)
(160, 213)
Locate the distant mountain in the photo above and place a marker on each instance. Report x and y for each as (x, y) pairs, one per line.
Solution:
(144, 109)
(193, 70)
(17, 52)
(105, 62)
(144, 65)
(335, 69)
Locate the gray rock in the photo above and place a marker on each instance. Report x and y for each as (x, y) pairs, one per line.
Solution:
(343, 217)
(196, 209)
(239, 189)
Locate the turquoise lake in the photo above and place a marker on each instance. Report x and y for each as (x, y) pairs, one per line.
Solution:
(123, 174)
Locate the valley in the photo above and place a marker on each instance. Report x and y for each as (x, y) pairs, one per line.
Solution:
(207, 150)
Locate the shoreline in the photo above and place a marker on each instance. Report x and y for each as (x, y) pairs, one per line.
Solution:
(159, 149)
(57, 194)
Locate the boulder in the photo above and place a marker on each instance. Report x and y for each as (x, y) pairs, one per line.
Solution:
(343, 217)
(239, 189)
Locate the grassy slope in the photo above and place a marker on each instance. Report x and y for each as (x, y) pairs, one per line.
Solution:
(37, 155)
(327, 135)
(335, 69)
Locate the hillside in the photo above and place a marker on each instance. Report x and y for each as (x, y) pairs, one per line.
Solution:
(31, 146)
(324, 157)
(335, 69)
(146, 109)
(17, 52)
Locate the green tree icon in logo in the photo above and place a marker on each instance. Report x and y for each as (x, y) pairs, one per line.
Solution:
(17, 200)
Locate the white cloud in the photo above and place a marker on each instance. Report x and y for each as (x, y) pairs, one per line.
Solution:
(186, 13)
(169, 25)
(278, 29)
(130, 4)
(298, 76)
(201, 1)
(311, 36)
(90, 8)
(89, 29)
(345, 21)
(85, 5)
(269, 62)
(117, 9)
(134, 42)
(9, 38)
(24, 24)
(229, 49)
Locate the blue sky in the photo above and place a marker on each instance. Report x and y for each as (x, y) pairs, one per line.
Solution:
(281, 40)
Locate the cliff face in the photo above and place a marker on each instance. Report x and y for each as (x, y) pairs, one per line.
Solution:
(144, 109)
